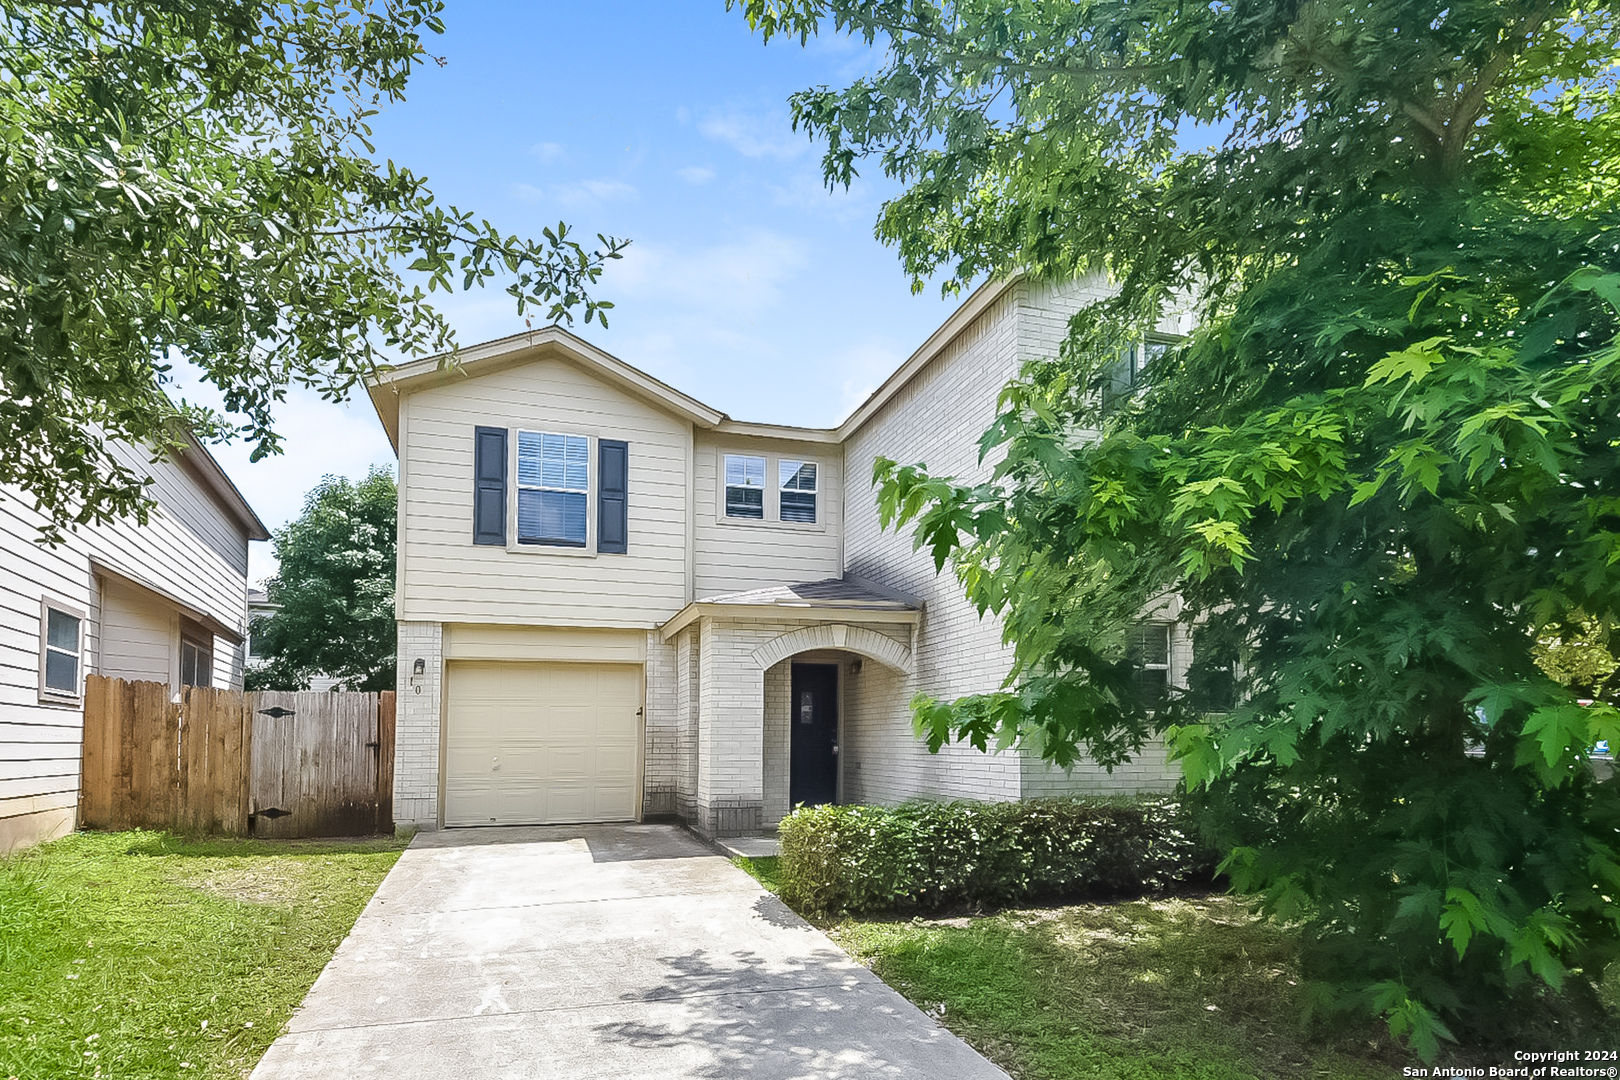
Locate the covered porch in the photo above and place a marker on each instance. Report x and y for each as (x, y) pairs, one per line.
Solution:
(762, 687)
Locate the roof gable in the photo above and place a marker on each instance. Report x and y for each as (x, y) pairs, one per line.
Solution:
(550, 343)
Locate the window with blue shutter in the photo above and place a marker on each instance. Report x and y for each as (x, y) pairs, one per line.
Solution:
(612, 496)
(553, 488)
(489, 486)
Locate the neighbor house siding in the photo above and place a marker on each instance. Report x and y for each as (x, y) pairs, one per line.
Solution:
(446, 577)
(736, 554)
(39, 743)
(191, 549)
(140, 635)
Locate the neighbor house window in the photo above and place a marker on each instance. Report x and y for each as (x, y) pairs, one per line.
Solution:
(61, 652)
(798, 490)
(196, 657)
(745, 486)
(553, 488)
(1129, 373)
(1149, 654)
(256, 631)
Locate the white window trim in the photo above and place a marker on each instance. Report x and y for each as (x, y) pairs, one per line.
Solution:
(815, 491)
(764, 487)
(513, 544)
(49, 695)
(773, 490)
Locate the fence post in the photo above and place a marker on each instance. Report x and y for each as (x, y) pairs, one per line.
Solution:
(385, 761)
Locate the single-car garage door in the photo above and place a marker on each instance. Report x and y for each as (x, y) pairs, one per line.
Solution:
(541, 744)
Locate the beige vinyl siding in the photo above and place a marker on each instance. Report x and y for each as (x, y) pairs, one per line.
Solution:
(735, 555)
(445, 577)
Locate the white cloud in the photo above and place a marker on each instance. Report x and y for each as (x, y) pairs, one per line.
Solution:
(805, 190)
(732, 281)
(526, 192)
(549, 153)
(580, 195)
(695, 174)
(587, 194)
(755, 136)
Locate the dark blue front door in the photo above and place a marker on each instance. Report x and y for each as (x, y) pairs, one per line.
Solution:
(814, 745)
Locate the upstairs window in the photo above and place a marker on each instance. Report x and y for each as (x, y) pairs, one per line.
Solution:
(1149, 654)
(797, 480)
(1129, 373)
(553, 488)
(61, 652)
(745, 486)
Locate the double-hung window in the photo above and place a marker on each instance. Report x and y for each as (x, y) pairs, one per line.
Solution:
(196, 656)
(1149, 654)
(553, 489)
(61, 652)
(745, 486)
(1129, 373)
(797, 483)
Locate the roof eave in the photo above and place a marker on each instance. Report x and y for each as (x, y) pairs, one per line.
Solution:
(960, 319)
(775, 612)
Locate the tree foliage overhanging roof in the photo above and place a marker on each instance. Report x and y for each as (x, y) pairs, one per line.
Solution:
(195, 178)
(1381, 470)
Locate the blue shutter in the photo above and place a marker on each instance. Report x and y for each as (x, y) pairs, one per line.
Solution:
(612, 496)
(489, 486)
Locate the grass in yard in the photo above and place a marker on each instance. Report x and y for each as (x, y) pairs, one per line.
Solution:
(1191, 989)
(140, 954)
(1183, 989)
(762, 869)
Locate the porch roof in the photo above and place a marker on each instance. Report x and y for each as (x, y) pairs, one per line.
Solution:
(843, 599)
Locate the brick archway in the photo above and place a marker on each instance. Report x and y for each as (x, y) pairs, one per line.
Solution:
(856, 639)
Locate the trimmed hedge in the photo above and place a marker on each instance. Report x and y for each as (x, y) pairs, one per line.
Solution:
(924, 856)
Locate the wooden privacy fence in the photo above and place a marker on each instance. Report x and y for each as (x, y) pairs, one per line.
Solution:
(267, 764)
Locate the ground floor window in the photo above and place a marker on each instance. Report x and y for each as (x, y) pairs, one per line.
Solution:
(196, 660)
(61, 652)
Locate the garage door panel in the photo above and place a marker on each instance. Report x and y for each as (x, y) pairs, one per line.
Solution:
(532, 743)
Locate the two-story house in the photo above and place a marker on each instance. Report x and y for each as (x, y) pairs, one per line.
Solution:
(164, 602)
(617, 603)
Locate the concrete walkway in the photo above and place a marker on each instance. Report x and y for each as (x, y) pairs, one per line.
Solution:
(597, 951)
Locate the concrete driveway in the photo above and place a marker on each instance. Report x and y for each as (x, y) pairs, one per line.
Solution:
(597, 951)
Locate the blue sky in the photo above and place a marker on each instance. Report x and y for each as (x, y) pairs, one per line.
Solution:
(747, 284)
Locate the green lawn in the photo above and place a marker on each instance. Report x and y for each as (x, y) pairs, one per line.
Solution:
(1186, 989)
(139, 954)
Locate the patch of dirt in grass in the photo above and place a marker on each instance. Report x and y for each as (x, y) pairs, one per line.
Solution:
(284, 881)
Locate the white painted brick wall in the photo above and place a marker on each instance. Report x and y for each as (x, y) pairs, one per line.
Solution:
(662, 754)
(778, 733)
(416, 725)
(937, 419)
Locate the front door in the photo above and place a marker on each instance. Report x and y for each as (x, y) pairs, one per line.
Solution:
(814, 722)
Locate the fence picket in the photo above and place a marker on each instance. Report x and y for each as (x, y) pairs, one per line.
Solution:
(214, 760)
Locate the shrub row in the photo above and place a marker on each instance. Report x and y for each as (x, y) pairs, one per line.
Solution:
(924, 856)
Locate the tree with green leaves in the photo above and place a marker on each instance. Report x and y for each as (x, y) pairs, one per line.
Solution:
(185, 178)
(1380, 472)
(333, 591)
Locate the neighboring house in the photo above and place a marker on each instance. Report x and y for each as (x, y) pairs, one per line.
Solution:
(259, 609)
(617, 603)
(164, 601)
